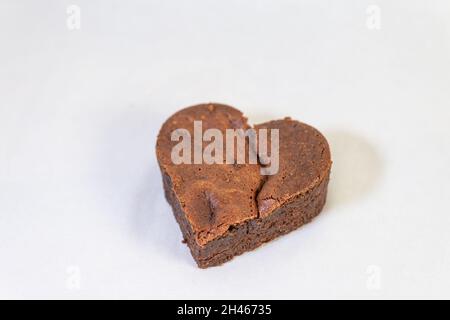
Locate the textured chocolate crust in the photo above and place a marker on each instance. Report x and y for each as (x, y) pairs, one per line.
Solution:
(278, 204)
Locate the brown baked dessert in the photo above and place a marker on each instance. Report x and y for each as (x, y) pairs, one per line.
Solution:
(226, 209)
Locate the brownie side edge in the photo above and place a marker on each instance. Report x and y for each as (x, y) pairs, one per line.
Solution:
(256, 232)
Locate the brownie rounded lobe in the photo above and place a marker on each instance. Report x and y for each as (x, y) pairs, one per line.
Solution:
(217, 196)
(305, 161)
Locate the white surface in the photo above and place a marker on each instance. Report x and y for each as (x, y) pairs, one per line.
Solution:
(80, 192)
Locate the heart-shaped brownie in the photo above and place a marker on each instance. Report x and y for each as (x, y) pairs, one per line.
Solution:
(233, 187)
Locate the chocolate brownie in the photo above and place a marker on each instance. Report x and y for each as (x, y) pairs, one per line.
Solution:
(226, 209)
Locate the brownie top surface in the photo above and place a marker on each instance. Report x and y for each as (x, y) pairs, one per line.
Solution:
(216, 197)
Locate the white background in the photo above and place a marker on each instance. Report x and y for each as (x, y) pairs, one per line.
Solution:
(82, 212)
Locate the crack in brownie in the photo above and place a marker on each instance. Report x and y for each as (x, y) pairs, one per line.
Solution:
(224, 209)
